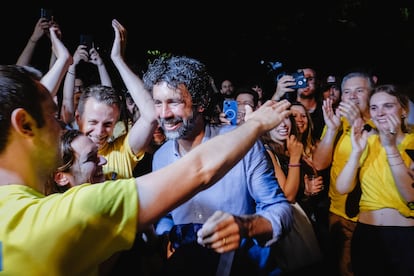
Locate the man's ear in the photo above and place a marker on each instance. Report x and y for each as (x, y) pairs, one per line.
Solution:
(22, 122)
(200, 108)
(77, 117)
(61, 179)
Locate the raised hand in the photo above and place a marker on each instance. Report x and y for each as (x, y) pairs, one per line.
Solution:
(41, 28)
(283, 86)
(80, 54)
(294, 147)
(331, 116)
(390, 130)
(119, 46)
(359, 136)
(350, 111)
(269, 114)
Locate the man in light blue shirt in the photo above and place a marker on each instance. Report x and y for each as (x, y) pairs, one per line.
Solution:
(229, 228)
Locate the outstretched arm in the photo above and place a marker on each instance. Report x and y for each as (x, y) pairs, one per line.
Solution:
(167, 188)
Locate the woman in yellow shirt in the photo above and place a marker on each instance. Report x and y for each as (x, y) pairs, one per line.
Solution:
(383, 238)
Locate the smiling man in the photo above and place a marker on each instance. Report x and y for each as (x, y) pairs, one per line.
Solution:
(244, 214)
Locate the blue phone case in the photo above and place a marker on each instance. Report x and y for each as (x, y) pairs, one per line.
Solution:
(230, 110)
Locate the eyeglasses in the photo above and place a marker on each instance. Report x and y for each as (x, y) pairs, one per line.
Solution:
(245, 103)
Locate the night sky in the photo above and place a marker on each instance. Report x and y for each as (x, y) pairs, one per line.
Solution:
(233, 39)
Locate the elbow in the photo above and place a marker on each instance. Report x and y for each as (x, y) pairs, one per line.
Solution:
(341, 190)
(321, 165)
(291, 198)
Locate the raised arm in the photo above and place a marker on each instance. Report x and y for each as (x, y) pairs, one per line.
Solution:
(96, 59)
(52, 79)
(141, 132)
(400, 170)
(42, 26)
(68, 108)
(347, 178)
(323, 152)
(167, 188)
(290, 182)
(282, 87)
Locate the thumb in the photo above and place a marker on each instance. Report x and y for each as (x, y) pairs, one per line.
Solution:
(248, 109)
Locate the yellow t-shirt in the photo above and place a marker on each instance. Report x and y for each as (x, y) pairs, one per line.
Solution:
(377, 183)
(341, 153)
(121, 161)
(65, 234)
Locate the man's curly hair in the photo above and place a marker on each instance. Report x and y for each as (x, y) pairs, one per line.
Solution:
(182, 70)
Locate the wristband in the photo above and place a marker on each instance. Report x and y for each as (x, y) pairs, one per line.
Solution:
(294, 165)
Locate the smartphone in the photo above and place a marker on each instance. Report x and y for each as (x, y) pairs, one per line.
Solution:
(46, 13)
(230, 110)
(410, 153)
(86, 39)
(300, 80)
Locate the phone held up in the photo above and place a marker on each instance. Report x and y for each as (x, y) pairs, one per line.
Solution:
(300, 79)
(230, 110)
(87, 40)
(46, 13)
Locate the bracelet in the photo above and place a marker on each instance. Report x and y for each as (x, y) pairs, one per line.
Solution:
(73, 74)
(393, 155)
(294, 165)
(32, 41)
(401, 163)
(410, 205)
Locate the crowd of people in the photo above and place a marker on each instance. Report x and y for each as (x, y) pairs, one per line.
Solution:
(144, 174)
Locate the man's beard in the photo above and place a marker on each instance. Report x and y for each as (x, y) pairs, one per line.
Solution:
(185, 129)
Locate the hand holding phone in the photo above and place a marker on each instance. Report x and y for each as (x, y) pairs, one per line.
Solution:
(86, 39)
(46, 13)
(230, 110)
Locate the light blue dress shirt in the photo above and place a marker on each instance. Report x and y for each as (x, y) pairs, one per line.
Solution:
(250, 187)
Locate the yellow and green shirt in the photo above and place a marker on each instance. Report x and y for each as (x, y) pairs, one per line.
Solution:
(121, 161)
(67, 233)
